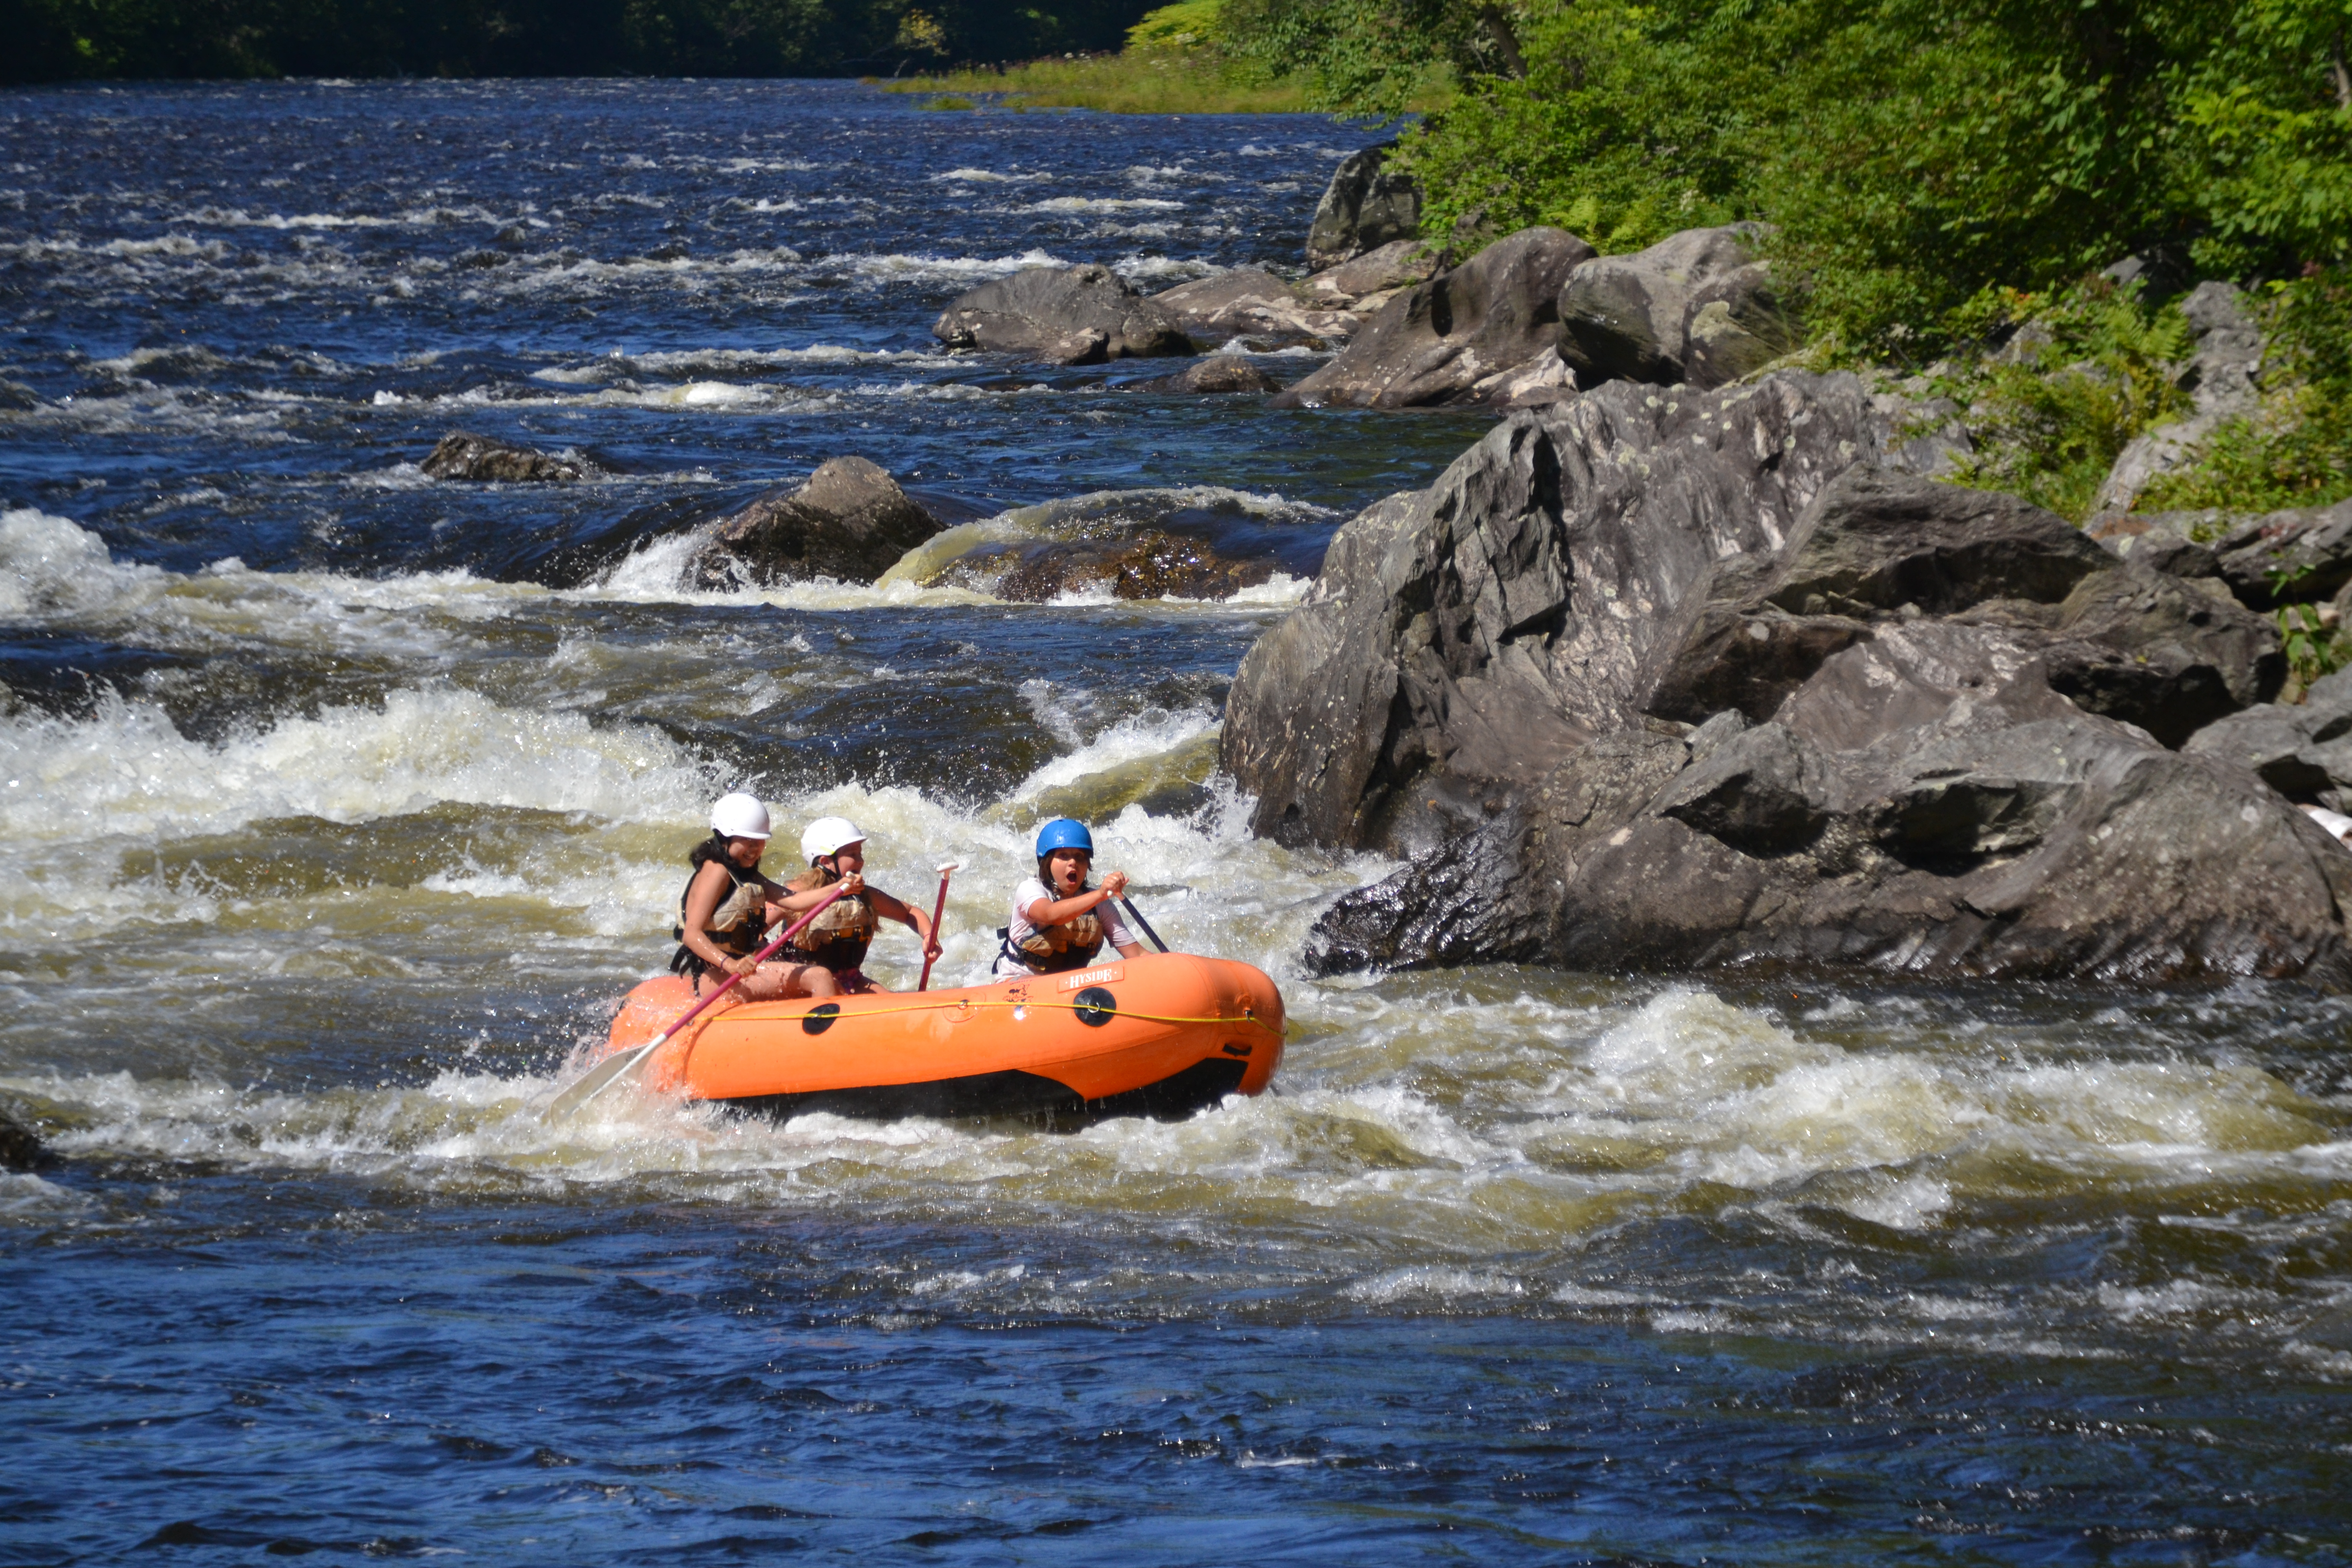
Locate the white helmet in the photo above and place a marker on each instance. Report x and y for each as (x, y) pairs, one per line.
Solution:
(828, 835)
(740, 815)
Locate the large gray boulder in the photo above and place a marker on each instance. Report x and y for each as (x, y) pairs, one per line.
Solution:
(1624, 317)
(1068, 315)
(2303, 750)
(1735, 324)
(1436, 342)
(1926, 743)
(1364, 207)
(849, 522)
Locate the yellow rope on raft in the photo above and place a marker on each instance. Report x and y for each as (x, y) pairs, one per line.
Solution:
(1071, 1006)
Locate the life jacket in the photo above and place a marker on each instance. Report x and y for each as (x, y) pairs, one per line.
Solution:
(736, 925)
(1049, 950)
(837, 939)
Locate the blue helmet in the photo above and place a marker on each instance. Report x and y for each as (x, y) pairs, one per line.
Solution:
(1063, 834)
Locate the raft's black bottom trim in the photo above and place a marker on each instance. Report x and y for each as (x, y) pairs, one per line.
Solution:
(1022, 1094)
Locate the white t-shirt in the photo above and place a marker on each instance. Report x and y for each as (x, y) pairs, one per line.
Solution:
(1020, 927)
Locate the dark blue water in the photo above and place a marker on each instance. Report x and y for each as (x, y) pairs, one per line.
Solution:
(338, 803)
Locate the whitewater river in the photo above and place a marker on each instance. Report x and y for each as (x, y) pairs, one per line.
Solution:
(338, 807)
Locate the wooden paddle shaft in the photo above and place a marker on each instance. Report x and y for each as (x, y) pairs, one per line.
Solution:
(938, 910)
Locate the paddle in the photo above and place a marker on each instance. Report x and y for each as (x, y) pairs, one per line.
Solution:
(937, 910)
(1137, 916)
(621, 1064)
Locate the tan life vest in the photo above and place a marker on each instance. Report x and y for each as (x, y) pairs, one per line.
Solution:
(736, 925)
(842, 931)
(1070, 945)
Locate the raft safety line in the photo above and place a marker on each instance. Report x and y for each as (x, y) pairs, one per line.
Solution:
(1072, 1006)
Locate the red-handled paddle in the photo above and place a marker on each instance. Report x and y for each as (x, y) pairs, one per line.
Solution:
(621, 1064)
(937, 910)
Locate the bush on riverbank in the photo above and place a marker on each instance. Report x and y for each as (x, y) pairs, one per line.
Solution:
(1177, 60)
(52, 40)
(1913, 153)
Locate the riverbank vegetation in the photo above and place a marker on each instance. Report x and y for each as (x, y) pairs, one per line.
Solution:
(1939, 175)
(54, 40)
(1179, 59)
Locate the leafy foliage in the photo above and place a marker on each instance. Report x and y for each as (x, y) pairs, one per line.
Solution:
(1176, 62)
(2091, 368)
(1912, 152)
(63, 40)
(2297, 450)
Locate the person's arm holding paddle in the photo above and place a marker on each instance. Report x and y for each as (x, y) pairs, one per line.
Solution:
(1042, 912)
(890, 908)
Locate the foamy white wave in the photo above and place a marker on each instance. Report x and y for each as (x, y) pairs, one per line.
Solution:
(1427, 1283)
(1103, 205)
(992, 177)
(51, 566)
(126, 770)
(1150, 734)
(898, 268)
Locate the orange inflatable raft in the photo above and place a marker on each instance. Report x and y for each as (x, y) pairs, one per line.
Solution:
(1159, 1036)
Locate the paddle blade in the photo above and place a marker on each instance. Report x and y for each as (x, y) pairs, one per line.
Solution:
(598, 1079)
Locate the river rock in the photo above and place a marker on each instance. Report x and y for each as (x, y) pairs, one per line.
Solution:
(1734, 325)
(849, 522)
(2168, 542)
(1433, 343)
(1364, 207)
(1154, 564)
(1495, 679)
(21, 1148)
(1217, 374)
(2303, 751)
(1070, 315)
(1624, 316)
(1366, 282)
(1247, 302)
(458, 456)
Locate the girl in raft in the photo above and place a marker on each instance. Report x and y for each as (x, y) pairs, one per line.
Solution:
(728, 906)
(836, 941)
(1058, 923)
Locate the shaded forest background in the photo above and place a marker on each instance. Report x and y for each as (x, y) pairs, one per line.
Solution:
(54, 40)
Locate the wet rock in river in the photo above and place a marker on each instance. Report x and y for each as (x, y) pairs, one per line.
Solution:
(459, 455)
(1218, 373)
(1150, 565)
(1251, 303)
(1934, 719)
(849, 522)
(21, 1148)
(1365, 206)
(1434, 343)
(1068, 315)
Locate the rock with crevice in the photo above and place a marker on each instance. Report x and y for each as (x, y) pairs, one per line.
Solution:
(2303, 751)
(1366, 205)
(1066, 315)
(1675, 680)
(1734, 324)
(849, 520)
(1434, 342)
(1625, 317)
(488, 460)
